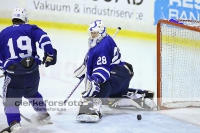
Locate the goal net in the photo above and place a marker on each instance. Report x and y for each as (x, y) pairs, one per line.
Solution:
(178, 64)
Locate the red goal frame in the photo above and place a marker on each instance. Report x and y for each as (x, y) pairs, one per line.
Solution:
(159, 36)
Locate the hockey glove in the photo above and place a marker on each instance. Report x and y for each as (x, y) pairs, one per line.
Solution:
(92, 89)
(50, 60)
(81, 70)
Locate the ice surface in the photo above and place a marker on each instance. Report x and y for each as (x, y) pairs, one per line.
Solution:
(57, 83)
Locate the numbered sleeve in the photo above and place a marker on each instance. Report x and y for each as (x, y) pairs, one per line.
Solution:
(101, 67)
(43, 39)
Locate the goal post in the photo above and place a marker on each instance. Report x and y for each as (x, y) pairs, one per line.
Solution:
(178, 64)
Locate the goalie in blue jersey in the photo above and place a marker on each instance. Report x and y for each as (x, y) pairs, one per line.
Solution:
(107, 76)
(20, 63)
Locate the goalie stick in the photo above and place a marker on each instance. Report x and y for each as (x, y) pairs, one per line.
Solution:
(25, 118)
(60, 112)
(118, 29)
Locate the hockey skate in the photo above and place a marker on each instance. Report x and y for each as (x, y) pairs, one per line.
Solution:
(44, 118)
(89, 111)
(13, 128)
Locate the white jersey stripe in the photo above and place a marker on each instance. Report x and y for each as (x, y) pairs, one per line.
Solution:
(42, 37)
(100, 76)
(45, 43)
(6, 63)
(101, 68)
(116, 62)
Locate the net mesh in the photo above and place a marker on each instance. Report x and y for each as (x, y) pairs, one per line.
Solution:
(180, 70)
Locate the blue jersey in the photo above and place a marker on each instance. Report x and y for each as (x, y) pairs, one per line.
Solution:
(19, 41)
(102, 58)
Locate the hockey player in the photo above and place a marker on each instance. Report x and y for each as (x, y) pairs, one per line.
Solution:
(20, 63)
(106, 76)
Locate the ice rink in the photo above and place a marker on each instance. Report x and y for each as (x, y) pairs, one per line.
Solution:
(57, 83)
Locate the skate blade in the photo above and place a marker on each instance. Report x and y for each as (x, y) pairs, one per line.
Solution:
(5, 132)
(45, 122)
(87, 118)
(16, 130)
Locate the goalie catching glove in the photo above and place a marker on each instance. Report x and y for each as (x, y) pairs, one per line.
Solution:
(50, 60)
(80, 71)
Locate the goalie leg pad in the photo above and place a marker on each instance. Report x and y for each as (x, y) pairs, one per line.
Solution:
(126, 102)
(146, 102)
(138, 103)
(88, 118)
(135, 98)
(146, 93)
(149, 103)
(89, 111)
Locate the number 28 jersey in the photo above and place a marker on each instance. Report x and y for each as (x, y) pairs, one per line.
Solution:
(19, 41)
(102, 58)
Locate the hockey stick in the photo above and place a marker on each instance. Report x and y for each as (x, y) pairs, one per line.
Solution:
(118, 29)
(60, 112)
(73, 90)
(25, 118)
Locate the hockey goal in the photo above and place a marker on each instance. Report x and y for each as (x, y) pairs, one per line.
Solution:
(178, 64)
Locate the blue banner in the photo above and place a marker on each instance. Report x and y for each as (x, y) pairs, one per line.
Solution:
(176, 9)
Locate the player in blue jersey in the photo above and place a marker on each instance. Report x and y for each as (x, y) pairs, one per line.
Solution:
(20, 63)
(106, 76)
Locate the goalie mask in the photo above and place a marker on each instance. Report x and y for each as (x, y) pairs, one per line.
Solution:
(20, 13)
(96, 31)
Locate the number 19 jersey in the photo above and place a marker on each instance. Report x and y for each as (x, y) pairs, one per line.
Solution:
(19, 41)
